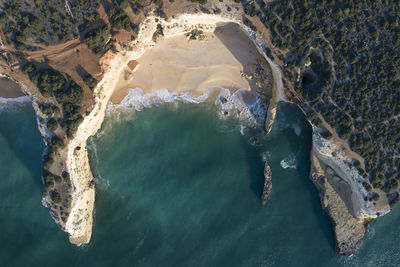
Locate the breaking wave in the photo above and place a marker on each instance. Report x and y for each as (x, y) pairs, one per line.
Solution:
(246, 106)
(13, 102)
(289, 162)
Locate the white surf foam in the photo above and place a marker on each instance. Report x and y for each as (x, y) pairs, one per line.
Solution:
(15, 101)
(289, 162)
(229, 105)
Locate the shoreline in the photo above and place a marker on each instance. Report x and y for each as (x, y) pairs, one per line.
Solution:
(80, 221)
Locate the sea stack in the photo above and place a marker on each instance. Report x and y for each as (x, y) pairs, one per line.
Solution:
(267, 184)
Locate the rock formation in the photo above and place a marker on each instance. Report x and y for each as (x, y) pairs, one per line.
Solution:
(267, 184)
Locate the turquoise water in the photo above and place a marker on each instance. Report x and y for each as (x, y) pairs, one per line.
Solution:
(178, 187)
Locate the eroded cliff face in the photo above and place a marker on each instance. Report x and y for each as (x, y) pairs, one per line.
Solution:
(341, 194)
(349, 231)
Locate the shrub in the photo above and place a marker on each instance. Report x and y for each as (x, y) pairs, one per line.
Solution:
(57, 179)
(56, 142)
(159, 32)
(47, 162)
(90, 81)
(98, 40)
(52, 124)
(48, 109)
(28, 68)
(65, 176)
(49, 81)
(119, 19)
(55, 196)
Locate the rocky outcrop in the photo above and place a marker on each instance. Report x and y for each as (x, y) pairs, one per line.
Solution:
(349, 230)
(267, 184)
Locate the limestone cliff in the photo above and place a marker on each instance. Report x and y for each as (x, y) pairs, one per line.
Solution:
(341, 194)
(349, 231)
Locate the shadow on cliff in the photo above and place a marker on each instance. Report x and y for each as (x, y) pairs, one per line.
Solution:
(255, 166)
(19, 130)
(303, 144)
(239, 44)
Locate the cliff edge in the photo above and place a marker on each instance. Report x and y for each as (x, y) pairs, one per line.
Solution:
(341, 194)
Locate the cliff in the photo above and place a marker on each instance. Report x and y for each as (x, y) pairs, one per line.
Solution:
(341, 194)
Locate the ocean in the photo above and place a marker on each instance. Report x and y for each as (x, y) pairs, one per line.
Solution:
(178, 186)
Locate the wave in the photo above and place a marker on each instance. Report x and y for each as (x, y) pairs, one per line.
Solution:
(289, 162)
(14, 101)
(246, 106)
(101, 182)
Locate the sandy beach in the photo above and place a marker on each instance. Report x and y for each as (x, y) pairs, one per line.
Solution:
(223, 58)
(9, 89)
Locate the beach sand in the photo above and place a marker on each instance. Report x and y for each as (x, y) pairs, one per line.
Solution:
(223, 58)
(9, 88)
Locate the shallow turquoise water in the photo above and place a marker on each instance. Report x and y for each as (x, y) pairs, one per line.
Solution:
(179, 187)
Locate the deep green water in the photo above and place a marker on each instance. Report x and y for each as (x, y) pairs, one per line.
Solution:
(179, 187)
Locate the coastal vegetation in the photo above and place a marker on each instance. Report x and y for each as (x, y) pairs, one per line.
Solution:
(45, 22)
(65, 91)
(344, 57)
(159, 32)
(118, 17)
(98, 40)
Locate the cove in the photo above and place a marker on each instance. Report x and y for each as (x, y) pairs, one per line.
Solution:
(176, 187)
(188, 185)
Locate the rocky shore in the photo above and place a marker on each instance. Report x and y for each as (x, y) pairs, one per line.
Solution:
(341, 194)
(349, 231)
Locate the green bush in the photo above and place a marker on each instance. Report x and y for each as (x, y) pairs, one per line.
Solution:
(65, 176)
(90, 81)
(56, 142)
(47, 162)
(119, 19)
(52, 124)
(28, 68)
(159, 32)
(98, 40)
(55, 196)
(49, 81)
(48, 109)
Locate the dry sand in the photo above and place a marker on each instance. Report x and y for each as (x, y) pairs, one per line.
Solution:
(216, 59)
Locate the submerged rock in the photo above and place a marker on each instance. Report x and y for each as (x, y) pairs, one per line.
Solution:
(267, 184)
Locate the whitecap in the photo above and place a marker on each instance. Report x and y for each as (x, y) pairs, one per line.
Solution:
(289, 162)
(14, 102)
(244, 105)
